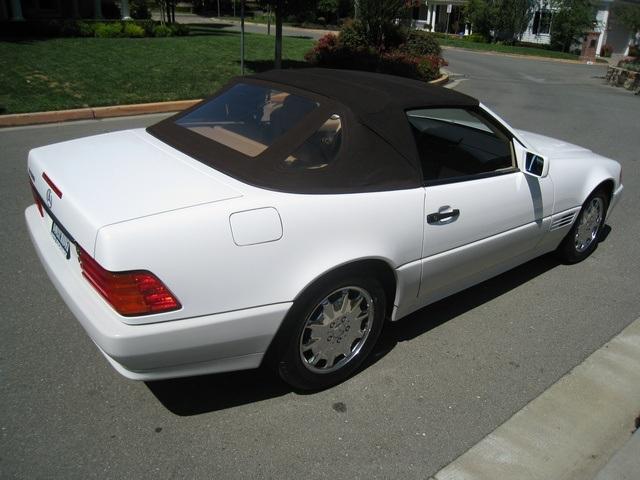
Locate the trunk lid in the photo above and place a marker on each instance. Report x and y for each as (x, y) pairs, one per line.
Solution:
(116, 177)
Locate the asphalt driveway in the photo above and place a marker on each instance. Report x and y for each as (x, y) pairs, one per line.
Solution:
(441, 379)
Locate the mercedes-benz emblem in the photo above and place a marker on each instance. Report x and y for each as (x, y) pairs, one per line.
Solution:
(49, 198)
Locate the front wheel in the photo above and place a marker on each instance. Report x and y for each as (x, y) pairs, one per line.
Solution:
(336, 326)
(583, 237)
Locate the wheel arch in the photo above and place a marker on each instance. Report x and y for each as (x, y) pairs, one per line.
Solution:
(608, 186)
(378, 267)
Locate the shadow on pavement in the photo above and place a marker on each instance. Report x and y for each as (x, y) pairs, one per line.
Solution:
(209, 393)
(441, 312)
(196, 395)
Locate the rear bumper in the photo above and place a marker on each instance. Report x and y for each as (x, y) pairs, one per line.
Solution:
(222, 342)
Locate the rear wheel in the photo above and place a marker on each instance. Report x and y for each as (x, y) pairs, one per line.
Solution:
(336, 326)
(583, 237)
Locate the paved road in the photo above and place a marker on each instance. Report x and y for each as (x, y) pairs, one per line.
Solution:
(250, 27)
(440, 381)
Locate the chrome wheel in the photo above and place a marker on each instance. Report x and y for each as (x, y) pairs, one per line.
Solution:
(336, 330)
(589, 226)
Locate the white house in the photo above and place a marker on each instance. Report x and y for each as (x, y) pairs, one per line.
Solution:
(448, 16)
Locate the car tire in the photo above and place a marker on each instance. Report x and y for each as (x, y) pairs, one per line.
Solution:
(586, 231)
(333, 327)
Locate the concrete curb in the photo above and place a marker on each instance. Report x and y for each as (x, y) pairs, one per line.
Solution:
(441, 80)
(572, 429)
(22, 119)
(526, 57)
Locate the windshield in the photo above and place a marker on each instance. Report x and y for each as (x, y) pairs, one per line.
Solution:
(248, 118)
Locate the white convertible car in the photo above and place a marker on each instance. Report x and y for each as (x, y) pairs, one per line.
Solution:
(286, 218)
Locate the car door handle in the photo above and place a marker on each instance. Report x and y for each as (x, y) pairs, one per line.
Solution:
(436, 217)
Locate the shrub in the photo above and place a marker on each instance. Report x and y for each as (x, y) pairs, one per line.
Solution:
(352, 36)
(148, 26)
(475, 37)
(131, 30)
(86, 29)
(421, 43)
(606, 50)
(630, 63)
(540, 46)
(108, 30)
(330, 51)
(69, 28)
(179, 30)
(162, 31)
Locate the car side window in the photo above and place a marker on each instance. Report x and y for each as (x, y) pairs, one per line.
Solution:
(320, 149)
(455, 142)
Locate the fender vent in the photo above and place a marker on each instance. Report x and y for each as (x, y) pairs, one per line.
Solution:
(563, 221)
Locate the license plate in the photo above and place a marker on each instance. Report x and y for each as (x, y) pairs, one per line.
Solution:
(61, 239)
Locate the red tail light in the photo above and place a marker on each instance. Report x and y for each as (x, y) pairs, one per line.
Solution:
(53, 186)
(129, 293)
(36, 198)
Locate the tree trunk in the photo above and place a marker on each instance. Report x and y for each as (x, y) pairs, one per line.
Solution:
(277, 63)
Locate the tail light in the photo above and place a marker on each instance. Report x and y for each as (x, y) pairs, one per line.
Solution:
(36, 198)
(129, 293)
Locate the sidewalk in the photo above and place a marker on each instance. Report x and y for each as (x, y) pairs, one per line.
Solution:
(625, 465)
(578, 429)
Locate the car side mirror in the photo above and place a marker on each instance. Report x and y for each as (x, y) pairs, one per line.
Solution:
(536, 165)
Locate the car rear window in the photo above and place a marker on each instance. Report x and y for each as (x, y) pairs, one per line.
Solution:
(320, 149)
(248, 118)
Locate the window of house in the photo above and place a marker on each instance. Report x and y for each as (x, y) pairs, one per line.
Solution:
(541, 22)
(455, 142)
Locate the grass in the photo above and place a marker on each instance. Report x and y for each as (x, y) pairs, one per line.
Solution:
(55, 74)
(493, 47)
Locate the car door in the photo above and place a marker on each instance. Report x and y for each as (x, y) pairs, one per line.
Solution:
(482, 213)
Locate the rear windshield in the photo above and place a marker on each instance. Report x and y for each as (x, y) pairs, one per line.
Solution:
(248, 118)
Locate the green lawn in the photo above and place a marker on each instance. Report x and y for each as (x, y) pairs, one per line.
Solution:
(40, 75)
(492, 47)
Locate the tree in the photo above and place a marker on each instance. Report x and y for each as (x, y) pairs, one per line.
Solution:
(167, 10)
(482, 15)
(378, 20)
(628, 14)
(500, 19)
(328, 8)
(571, 19)
(282, 8)
(513, 18)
